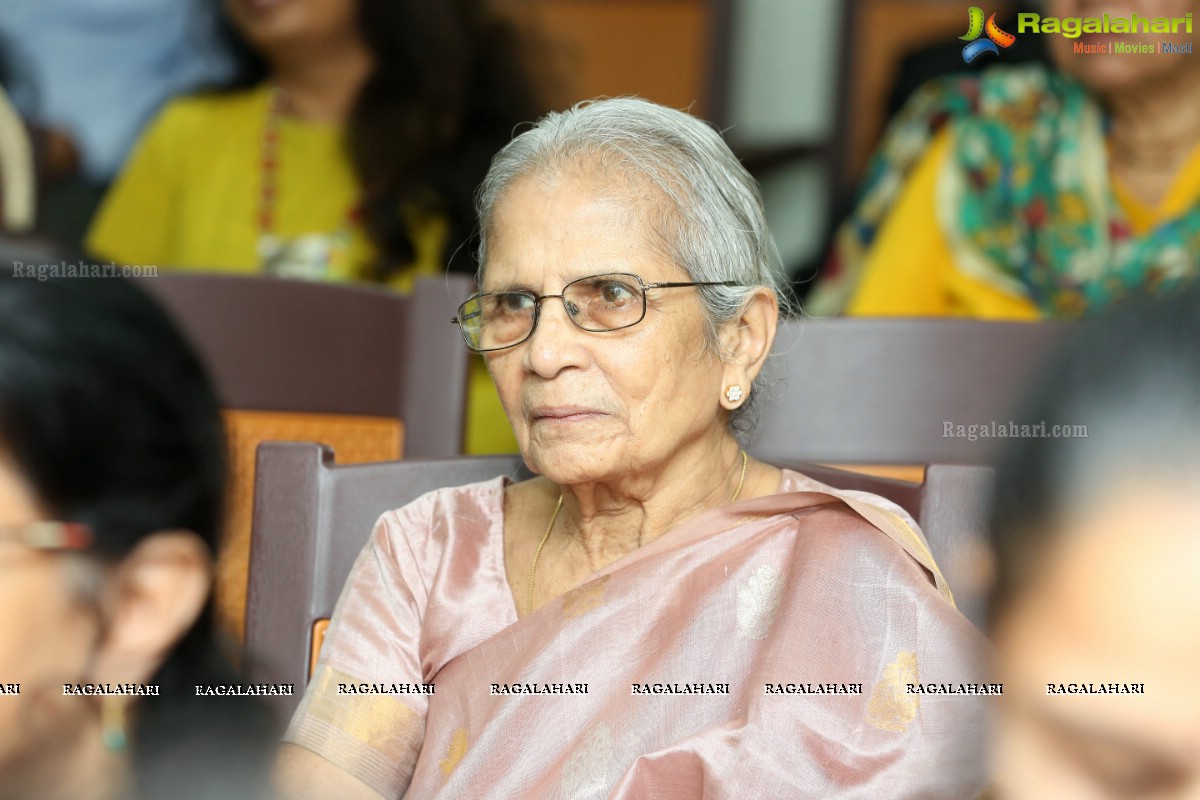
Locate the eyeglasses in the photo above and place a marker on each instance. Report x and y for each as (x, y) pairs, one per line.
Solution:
(599, 303)
(45, 535)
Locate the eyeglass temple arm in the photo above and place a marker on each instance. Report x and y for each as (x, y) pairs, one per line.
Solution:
(45, 535)
(675, 285)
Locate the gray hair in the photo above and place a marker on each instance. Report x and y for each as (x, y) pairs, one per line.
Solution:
(715, 227)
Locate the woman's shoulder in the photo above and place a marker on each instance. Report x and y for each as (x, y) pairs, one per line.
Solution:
(793, 481)
(205, 111)
(868, 527)
(1013, 94)
(448, 525)
(481, 499)
(960, 96)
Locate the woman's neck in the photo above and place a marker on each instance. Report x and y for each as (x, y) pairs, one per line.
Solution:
(322, 85)
(607, 521)
(83, 769)
(1153, 133)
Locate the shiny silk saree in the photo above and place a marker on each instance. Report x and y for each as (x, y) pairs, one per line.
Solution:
(772, 648)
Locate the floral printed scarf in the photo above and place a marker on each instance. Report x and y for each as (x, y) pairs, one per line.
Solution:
(1025, 201)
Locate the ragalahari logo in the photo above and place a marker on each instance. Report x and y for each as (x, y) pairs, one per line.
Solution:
(996, 38)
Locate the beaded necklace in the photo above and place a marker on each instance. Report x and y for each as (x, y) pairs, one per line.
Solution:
(311, 256)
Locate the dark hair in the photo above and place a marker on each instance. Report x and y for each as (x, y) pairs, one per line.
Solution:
(1132, 378)
(110, 416)
(445, 94)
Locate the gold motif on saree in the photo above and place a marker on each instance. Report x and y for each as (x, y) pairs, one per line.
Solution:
(455, 752)
(585, 775)
(891, 707)
(583, 599)
(758, 601)
(380, 722)
(375, 738)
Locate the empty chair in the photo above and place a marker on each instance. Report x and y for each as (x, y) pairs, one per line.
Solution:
(883, 391)
(357, 351)
(362, 369)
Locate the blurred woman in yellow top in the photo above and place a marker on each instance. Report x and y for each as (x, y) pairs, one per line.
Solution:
(349, 149)
(1027, 192)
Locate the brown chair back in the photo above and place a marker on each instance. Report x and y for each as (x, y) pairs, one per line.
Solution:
(370, 372)
(880, 391)
(311, 519)
(279, 345)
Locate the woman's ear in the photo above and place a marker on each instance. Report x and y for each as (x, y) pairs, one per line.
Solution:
(746, 342)
(153, 597)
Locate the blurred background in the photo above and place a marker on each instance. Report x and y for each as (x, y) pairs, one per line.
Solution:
(802, 88)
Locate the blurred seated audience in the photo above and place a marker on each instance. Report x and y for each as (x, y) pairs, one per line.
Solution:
(111, 481)
(941, 57)
(1097, 544)
(348, 149)
(1032, 192)
(630, 298)
(88, 76)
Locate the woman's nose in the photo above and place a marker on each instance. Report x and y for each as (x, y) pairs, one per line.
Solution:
(556, 342)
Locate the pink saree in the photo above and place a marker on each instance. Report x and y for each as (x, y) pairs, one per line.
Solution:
(720, 660)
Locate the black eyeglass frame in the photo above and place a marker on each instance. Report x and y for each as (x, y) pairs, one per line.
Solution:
(49, 535)
(537, 305)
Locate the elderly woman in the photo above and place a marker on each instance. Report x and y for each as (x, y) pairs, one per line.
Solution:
(1029, 192)
(657, 614)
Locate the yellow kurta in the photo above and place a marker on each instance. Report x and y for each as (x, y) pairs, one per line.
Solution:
(189, 199)
(910, 271)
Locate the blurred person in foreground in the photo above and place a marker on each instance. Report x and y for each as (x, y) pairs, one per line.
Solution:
(111, 479)
(629, 301)
(1030, 192)
(1098, 552)
(348, 149)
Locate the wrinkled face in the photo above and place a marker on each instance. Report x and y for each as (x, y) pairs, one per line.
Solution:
(1118, 602)
(44, 638)
(272, 25)
(1116, 73)
(594, 406)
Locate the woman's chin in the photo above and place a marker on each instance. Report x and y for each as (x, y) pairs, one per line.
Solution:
(273, 26)
(1111, 75)
(568, 465)
(574, 443)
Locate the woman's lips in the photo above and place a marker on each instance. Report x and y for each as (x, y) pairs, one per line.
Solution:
(260, 6)
(565, 414)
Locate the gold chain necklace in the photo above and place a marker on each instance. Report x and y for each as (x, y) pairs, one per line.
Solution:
(554, 517)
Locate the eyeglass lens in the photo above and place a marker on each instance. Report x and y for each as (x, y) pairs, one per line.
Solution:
(597, 303)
